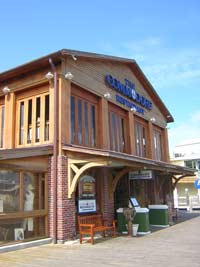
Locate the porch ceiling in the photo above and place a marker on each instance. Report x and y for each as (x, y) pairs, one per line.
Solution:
(29, 158)
(26, 152)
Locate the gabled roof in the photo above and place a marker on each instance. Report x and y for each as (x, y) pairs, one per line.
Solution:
(57, 56)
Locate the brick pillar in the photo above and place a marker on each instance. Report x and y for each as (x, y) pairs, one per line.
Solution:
(66, 210)
(107, 200)
(50, 196)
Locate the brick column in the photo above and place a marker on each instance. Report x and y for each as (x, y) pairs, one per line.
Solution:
(50, 196)
(107, 200)
(66, 209)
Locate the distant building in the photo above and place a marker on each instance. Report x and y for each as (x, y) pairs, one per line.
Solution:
(187, 154)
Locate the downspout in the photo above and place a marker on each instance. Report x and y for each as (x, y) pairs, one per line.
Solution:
(55, 150)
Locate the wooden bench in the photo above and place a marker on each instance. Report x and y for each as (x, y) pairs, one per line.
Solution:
(91, 224)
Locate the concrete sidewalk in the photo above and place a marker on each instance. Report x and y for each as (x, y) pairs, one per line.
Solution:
(174, 246)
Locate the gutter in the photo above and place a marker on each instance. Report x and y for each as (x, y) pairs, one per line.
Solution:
(55, 150)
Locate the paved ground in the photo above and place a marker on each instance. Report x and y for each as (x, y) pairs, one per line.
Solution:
(175, 246)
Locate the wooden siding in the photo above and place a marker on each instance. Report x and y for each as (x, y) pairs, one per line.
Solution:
(90, 74)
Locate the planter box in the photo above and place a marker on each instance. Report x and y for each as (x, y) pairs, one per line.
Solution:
(159, 215)
(121, 222)
(142, 218)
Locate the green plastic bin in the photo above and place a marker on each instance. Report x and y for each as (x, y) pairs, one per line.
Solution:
(159, 215)
(121, 222)
(142, 218)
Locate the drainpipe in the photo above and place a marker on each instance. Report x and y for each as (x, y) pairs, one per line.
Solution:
(55, 150)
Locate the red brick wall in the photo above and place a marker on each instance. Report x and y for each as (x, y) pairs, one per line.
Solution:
(107, 200)
(66, 210)
(50, 196)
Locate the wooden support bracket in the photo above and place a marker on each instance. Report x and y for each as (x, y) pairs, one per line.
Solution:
(74, 172)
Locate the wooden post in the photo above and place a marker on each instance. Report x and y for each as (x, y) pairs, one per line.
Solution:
(151, 140)
(64, 121)
(166, 146)
(103, 118)
(51, 113)
(131, 133)
(10, 112)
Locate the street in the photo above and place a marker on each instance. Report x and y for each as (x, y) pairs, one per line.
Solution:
(177, 245)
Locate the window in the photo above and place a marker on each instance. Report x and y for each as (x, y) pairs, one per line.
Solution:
(141, 137)
(2, 114)
(33, 120)
(21, 123)
(29, 132)
(79, 121)
(46, 120)
(9, 191)
(158, 145)
(198, 165)
(191, 164)
(21, 194)
(72, 119)
(86, 123)
(117, 129)
(37, 132)
(84, 119)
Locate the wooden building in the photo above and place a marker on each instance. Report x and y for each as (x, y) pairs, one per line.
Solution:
(79, 132)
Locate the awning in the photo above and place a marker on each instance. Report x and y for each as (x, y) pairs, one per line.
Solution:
(117, 159)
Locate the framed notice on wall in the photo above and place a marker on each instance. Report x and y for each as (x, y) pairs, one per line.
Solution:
(87, 187)
(86, 205)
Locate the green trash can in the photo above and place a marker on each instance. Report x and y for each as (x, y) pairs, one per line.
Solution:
(159, 215)
(142, 218)
(121, 222)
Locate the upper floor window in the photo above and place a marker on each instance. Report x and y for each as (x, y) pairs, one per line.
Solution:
(84, 119)
(2, 121)
(191, 164)
(117, 129)
(141, 138)
(33, 119)
(158, 144)
(198, 165)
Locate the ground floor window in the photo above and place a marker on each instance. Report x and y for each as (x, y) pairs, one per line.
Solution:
(23, 205)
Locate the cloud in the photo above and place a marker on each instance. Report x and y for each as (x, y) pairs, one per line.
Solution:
(195, 117)
(142, 44)
(164, 65)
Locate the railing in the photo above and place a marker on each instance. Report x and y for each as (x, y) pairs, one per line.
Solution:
(189, 202)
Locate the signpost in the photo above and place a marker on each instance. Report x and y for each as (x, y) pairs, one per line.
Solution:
(197, 183)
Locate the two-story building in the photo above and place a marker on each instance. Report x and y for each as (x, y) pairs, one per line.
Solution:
(187, 191)
(79, 133)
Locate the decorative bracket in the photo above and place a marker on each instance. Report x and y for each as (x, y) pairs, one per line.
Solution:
(74, 172)
(177, 179)
(117, 178)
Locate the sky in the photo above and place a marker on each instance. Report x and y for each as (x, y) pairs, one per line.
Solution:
(163, 36)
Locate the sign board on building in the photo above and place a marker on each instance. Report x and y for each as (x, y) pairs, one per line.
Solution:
(127, 89)
(146, 174)
(86, 205)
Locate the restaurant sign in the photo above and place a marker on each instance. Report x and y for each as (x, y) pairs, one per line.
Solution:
(128, 89)
(141, 175)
